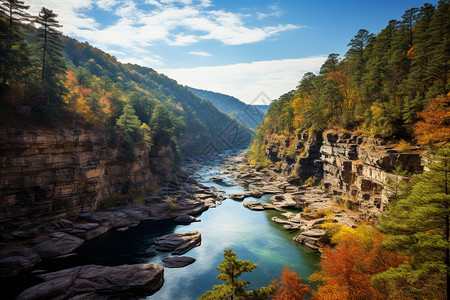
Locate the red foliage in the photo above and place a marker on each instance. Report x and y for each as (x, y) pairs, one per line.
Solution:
(435, 124)
(290, 286)
(71, 79)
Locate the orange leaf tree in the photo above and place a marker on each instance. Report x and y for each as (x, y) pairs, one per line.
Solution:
(290, 286)
(435, 124)
(346, 271)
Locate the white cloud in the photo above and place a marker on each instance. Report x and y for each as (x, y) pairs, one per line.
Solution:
(143, 60)
(174, 22)
(69, 14)
(246, 81)
(107, 4)
(275, 12)
(200, 53)
(135, 28)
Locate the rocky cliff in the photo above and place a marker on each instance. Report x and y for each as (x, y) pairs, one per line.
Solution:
(354, 169)
(48, 174)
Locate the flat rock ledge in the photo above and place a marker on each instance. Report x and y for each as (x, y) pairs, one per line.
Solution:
(177, 261)
(255, 205)
(178, 243)
(311, 238)
(98, 282)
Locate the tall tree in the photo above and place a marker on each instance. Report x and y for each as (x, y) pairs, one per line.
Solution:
(419, 226)
(232, 288)
(409, 20)
(15, 54)
(161, 123)
(358, 43)
(356, 55)
(52, 59)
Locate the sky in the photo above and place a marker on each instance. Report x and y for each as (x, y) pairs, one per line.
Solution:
(255, 50)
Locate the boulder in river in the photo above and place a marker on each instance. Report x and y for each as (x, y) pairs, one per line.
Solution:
(255, 205)
(98, 282)
(216, 179)
(178, 243)
(239, 197)
(186, 219)
(178, 261)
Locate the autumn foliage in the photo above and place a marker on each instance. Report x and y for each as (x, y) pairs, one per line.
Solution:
(346, 271)
(86, 104)
(290, 286)
(435, 124)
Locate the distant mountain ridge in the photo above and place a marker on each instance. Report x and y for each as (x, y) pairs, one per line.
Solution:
(247, 114)
(262, 108)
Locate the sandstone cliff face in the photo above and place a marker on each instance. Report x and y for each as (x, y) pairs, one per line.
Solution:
(355, 169)
(47, 174)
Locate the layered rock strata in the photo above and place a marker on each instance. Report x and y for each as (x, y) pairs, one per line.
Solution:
(50, 174)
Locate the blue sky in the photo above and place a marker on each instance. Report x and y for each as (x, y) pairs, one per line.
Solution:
(236, 47)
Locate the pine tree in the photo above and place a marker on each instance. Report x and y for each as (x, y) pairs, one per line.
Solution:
(161, 123)
(15, 56)
(128, 121)
(419, 228)
(52, 59)
(232, 288)
(357, 55)
(438, 68)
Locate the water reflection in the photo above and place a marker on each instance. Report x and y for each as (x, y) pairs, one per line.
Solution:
(251, 234)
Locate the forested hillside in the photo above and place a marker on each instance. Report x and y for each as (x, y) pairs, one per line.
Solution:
(232, 106)
(394, 85)
(58, 81)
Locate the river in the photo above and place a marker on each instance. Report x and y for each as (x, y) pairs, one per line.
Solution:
(251, 234)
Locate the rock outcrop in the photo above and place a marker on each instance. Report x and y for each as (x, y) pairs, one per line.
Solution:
(178, 261)
(52, 174)
(358, 168)
(178, 243)
(311, 238)
(353, 168)
(98, 282)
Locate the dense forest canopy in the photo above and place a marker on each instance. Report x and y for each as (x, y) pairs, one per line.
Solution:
(66, 82)
(393, 85)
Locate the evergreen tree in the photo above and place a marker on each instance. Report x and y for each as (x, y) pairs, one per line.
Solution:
(419, 228)
(232, 288)
(161, 123)
(438, 43)
(409, 20)
(357, 57)
(52, 59)
(331, 64)
(128, 121)
(14, 52)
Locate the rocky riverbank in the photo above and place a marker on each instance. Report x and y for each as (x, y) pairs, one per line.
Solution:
(22, 251)
(304, 207)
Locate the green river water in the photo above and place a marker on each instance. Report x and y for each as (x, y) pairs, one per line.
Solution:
(251, 234)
